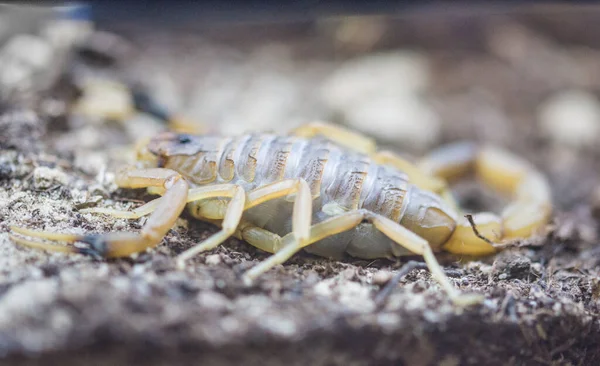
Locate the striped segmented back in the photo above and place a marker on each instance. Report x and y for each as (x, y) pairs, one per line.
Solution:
(339, 178)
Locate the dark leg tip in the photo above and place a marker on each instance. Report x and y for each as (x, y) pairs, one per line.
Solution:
(97, 249)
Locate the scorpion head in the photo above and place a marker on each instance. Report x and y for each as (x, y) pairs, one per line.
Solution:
(154, 151)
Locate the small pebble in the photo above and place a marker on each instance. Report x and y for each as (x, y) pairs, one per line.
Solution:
(571, 118)
(44, 177)
(401, 120)
(508, 266)
(393, 73)
(213, 259)
(32, 50)
(380, 95)
(381, 277)
(104, 100)
(213, 300)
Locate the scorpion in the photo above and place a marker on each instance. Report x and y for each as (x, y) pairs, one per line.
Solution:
(321, 188)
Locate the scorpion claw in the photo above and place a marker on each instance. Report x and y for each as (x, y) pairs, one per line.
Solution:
(67, 238)
(70, 238)
(98, 246)
(39, 245)
(90, 253)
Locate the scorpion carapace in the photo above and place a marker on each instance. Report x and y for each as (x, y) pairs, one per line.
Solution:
(323, 189)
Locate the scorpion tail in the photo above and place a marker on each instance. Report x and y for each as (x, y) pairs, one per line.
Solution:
(506, 173)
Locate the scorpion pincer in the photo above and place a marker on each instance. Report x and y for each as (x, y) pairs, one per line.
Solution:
(323, 189)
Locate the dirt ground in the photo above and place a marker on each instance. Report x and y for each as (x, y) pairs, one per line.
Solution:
(498, 78)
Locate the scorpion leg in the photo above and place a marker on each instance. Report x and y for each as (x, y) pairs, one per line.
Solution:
(166, 211)
(194, 194)
(257, 237)
(301, 214)
(351, 219)
(212, 210)
(504, 172)
(231, 217)
(136, 213)
(261, 238)
(337, 134)
(329, 227)
(225, 190)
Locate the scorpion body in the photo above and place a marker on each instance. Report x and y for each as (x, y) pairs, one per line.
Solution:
(340, 180)
(323, 189)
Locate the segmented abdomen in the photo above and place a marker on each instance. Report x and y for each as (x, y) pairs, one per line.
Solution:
(334, 174)
(339, 178)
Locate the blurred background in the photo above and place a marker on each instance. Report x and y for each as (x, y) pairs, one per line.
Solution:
(523, 76)
(73, 78)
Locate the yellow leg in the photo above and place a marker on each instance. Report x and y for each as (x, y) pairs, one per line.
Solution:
(257, 237)
(506, 173)
(253, 235)
(231, 218)
(319, 231)
(261, 239)
(165, 211)
(155, 190)
(337, 134)
(194, 194)
(349, 220)
(301, 215)
(227, 214)
(136, 213)
(302, 211)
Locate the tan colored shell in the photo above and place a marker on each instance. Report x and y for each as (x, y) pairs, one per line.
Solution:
(340, 180)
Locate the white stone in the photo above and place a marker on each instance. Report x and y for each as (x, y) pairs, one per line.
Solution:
(381, 277)
(571, 118)
(213, 259)
(213, 300)
(31, 50)
(26, 299)
(142, 126)
(45, 177)
(395, 119)
(387, 73)
(380, 95)
(63, 33)
(105, 100)
(14, 74)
